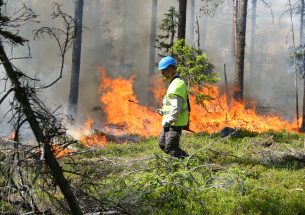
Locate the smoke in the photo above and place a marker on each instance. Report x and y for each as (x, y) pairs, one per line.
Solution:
(116, 37)
(272, 84)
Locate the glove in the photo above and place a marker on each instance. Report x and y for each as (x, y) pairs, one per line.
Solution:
(160, 112)
(165, 125)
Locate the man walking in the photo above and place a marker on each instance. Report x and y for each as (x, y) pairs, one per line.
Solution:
(175, 109)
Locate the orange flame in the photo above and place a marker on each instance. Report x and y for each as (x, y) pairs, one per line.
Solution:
(94, 140)
(88, 125)
(61, 152)
(217, 114)
(116, 96)
(210, 116)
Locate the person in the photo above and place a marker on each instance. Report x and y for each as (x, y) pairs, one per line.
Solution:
(175, 109)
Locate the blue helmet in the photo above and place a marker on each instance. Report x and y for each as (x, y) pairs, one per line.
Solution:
(166, 62)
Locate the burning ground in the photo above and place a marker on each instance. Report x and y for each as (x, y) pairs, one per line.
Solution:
(257, 172)
(124, 116)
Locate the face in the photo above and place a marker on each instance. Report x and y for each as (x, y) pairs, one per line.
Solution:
(168, 72)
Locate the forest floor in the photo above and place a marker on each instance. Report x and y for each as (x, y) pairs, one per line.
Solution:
(247, 173)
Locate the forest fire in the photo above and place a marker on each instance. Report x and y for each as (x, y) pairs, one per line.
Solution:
(124, 117)
(61, 152)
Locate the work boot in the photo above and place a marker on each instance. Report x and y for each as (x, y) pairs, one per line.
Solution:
(179, 154)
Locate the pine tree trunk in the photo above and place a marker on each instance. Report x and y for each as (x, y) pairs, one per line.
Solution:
(152, 53)
(203, 33)
(49, 157)
(302, 23)
(76, 57)
(303, 115)
(303, 66)
(182, 19)
(123, 11)
(234, 25)
(192, 23)
(252, 45)
(240, 49)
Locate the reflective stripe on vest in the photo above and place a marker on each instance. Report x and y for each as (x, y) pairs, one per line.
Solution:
(176, 87)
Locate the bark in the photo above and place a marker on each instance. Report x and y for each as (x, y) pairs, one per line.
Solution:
(182, 19)
(253, 35)
(303, 66)
(303, 115)
(234, 24)
(294, 64)
(76, 56)
(302, 23)
(192, 25)
(152, 53)
(203, 33)
(240, 49)
(50, 160)
(122, 10)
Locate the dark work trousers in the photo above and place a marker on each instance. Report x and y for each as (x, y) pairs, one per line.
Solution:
(169, 141)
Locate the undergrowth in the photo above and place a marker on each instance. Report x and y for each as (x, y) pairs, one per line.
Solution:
(246, 174)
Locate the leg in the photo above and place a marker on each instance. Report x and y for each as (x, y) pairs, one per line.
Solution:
(172, 138)
(161, 140)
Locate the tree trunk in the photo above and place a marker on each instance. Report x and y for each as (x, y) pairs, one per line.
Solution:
(303, 115)
(76, 56)
(302, 23)
(122, 10)
(192, 23)
(20, 94)
(203, 33)
(303, 66)
(240, 49)
(253, 35)
(182, 19)
(234, 25)
(152, 53)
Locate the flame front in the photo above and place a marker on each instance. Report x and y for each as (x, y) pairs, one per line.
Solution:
(122, 107)
(61, 152)
(217, 114)
(126, 116)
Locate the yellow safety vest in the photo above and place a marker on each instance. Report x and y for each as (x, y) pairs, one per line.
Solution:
(176, 87)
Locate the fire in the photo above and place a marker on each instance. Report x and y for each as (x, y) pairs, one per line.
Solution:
(217, 114)
(88, 125)
(61, 152)
(117, 94)
(94, 140)
(124, 117)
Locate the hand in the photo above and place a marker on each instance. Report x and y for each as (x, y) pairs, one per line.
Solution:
(165, 124)
(160, 112)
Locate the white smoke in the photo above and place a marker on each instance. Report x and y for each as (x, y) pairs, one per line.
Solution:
(117, 35)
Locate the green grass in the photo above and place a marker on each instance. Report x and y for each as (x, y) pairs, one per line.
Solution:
(249, 173)
(245, 174)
